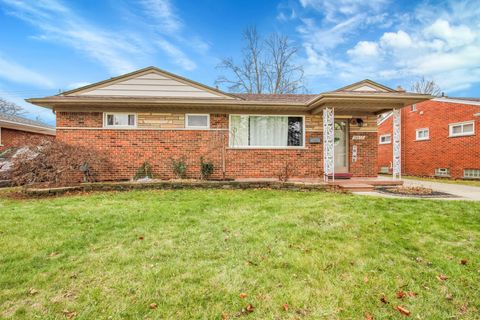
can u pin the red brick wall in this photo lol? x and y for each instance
(420, 158)
(366, 164)
(130, 148)
(17, 138)
(385, 151)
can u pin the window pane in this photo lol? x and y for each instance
(239, 131)
(295, 131)
(268, 131)
(131, 119)
(468, 128)
(197, 121)
(110, 119)
(456, 129)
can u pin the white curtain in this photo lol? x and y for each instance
(259, 131)
(268, 131)
(239, 131)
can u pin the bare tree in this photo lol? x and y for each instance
(427, 87)
(9, 107)
(267, 66)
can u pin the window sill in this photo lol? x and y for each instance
(384, 143)
(422, 140)
(462, 135)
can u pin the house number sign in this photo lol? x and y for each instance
(358, 138)
(354, 153)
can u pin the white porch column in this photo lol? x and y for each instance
(397, 154)
(328, 143)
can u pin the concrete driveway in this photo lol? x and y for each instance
(462, 192)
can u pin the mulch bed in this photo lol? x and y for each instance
(433, 194)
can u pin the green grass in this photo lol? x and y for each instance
(202, 248)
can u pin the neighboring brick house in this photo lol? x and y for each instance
(155, 116)
(439, 138)
(16, 131)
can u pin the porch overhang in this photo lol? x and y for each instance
(364, 104)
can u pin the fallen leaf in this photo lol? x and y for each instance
(53, 254)
(464, 308)
(224, 316)
(368, 316)
(411, 294)
(449, 296)
(365, 279)
(32, 291)
(69, 314)
(153, 306)
(250, 308)
(401, 294)
(403, 311)
(285, 307)
(442, 277)
(463, 261)
(418, 259)
(141, 238)
(243, 295)
(384, 299)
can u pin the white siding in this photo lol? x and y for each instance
(152, 85)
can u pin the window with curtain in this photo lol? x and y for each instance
(266, 131)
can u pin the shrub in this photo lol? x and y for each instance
(206, 169)
(145, 171)
(55, 163)
(179, 167)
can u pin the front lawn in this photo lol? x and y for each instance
(193, 254)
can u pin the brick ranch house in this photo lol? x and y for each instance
(439, 139)
(16, 131)
(156, 116)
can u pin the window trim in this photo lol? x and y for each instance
(413, 107)
(197, 127)
(451, 125)
(385, 135)
(303, 146)
(447, 175)
(422, 139)
(105, 125)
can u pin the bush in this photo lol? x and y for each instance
(179, 167)
(206, 169)
(145, 171)
(55, 163)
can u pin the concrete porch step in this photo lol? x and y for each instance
(355, 187)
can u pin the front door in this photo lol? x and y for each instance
(341, 146)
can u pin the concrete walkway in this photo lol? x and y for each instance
(462, 192)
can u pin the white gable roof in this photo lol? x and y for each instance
(149, 82)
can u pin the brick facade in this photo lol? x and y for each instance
(130, 148)
(421, 158)
(17, 138)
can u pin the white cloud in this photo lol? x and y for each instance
(335, 10)
(177, 55)
(364, 49)
(163, 13)
(60, 24)
(14, 72)
(119, 50)
(439, 42)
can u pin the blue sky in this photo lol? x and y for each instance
(52, 45)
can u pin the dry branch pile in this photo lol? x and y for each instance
(44, 162)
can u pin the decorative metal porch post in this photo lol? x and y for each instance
(328, 143)
(397, 155)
